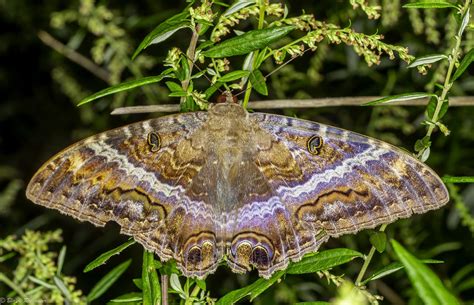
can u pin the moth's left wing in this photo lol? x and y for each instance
(138, 176)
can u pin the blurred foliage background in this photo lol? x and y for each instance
(95, 39)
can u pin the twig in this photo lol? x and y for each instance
(309, 103)
(74, 56)
(453, 59)
(191, 56)
(164, 289)
(367, 260)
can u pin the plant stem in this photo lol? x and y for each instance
(261, 20)
(190, 54)
(301, 103)
(367, 260)
(7, 281)
(193, 295)
(164, 289)
(453, 59)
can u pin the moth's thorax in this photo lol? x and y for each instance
(228, 140)
(228, 131)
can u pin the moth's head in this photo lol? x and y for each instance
(227, 97)
(226, 104)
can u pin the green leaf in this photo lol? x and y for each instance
(41, 282)
(422, 143)
(147, 285)
(211, 90)
(130, 297)
(108, 280)
(464, 22)
(465, 62)
(165, 30)
(138, 283)
(430, 108)
(323, 260)
(201, 284)
(463, 179)
(61, 257)
(178, 94)
(427, 284)
(399, 97)
(394, 267)
(234, 75)
(248, 42)
(430, 4)
(173, 86)
(153, 275)
(104, 257)
(253, 290)
(62, 287)
(379, 241)
(442, 110)
(122, 87)
(237, 6)
(258, 82)
(7, 256)
(428, 59)
(425, 155)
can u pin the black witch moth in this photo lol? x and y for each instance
(258, 190)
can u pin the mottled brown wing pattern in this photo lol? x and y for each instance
(260, 190)
(328, 182)
(137, 176)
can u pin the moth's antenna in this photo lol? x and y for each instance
(201, 70)
(276, 70)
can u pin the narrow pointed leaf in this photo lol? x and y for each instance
(427, 284)
(122, 87)
(430, 4)
(234, 75)
(7, 256)
(61, 257)
(164, 30)
(400, 97)
(258, 82)
(428, 59)
(463, 179)
(104, 257)
(392, 268)
(62, 287)
(379, 241)
(108, 280)
(248, 42)
(465, 63)
(464, 22)
(130, 297)
(153, 278)
(237, 6)
(147, 290)
(253, 290)
(323, 261)
(41, 282)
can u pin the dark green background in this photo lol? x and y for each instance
(37, 120)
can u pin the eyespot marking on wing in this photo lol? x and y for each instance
(314, 144)
(154, 141)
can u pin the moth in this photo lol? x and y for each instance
(256, 190)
